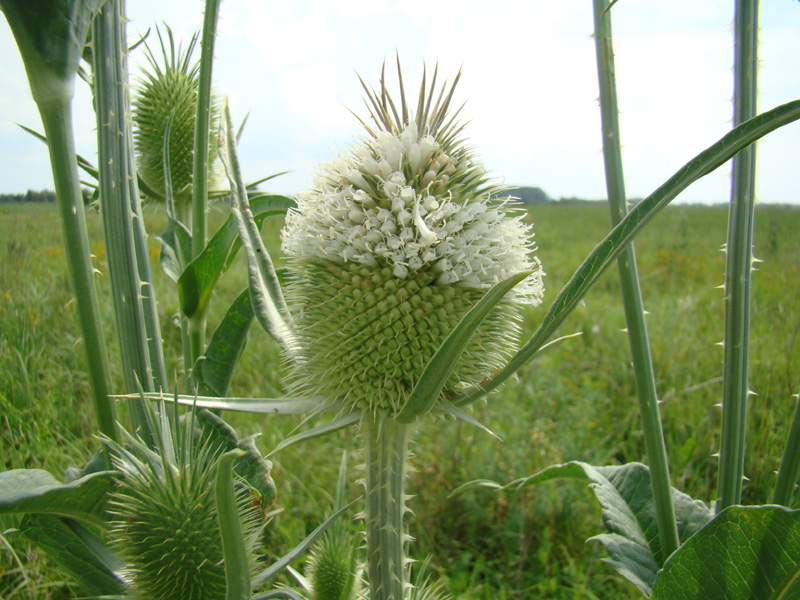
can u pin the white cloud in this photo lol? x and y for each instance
(529, 78)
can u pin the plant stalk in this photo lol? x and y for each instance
(202, 123)
(134, 302)
(386, 460)
(738, 267)
(56, 116)
(631, 291)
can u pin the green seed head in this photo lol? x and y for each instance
(396, 241)
(331, 568)
(165, 522)
(167, 90)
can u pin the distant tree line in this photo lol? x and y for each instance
(41, 196)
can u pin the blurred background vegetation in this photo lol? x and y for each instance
(578, 398)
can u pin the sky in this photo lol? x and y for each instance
(529, 82)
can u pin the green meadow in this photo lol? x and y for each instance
(575, 402)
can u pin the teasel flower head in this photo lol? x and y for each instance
(164, 516)
(397, 239)
(332, 569)
(168, 93)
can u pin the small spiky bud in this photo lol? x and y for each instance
(164, 520)
(394, 244)
(331, 568)
(163, 92)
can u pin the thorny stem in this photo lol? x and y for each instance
(631, 291)
(738, 269)
(386, 459)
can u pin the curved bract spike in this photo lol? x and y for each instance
(265, 290)
(440, 367)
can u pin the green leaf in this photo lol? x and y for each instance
(213, 370)
(265, 291)
(176, 248)
(76, 550)
(198, 278)
(37, 491)
(441, 365)
(745, 553)
(607, 251)
(628, 512)
(250, 465)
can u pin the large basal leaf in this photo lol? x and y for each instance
(198, 278)
(37, 491)
(250, 466)
(628, 512)
(213, 370)
(77, 551)
(745, 553)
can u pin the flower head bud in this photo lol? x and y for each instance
(396, 241)
(164, 517)
(163, 93)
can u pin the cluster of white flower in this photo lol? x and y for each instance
(395, 201)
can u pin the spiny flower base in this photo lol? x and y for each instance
(366, 335)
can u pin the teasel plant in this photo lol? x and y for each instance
(406, 267)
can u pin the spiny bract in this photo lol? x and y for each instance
(397, 240)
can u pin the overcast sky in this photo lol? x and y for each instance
(529, 81)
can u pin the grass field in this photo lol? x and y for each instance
(576, 400)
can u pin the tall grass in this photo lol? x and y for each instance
(576, 401)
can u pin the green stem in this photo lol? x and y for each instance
(56, 116)
(237, 565)
(631, 291)
(386, 459)
(790, 463)
(122, 215)
(739, 265)
(202, 123)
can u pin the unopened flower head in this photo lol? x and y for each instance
(396, 241)
(168, 95)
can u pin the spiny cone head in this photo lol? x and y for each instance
(165, 526)
(331, 567)
(396, 241)
(167, 90)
